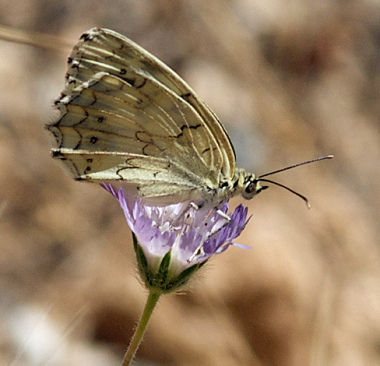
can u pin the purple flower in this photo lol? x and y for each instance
(173, 241)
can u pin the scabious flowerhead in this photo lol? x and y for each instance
(171, 242)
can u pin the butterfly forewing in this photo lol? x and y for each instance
(126, 116)
(106, 50)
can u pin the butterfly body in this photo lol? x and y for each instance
(125, 116)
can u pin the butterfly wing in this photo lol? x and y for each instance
(126, 116)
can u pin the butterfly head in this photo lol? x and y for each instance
(248, 185)
(251, 186)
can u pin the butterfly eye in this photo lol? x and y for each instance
(252, 187)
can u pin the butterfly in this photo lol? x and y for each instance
(126, 116)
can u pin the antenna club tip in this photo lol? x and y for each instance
(308, 205)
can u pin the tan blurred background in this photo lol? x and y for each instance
(291, 80)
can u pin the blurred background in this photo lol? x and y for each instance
(291, 81)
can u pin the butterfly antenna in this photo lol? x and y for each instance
(260, 179)
(289, 189)
(296, 165)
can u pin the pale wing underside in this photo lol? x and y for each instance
(127, 116)
(152, 178)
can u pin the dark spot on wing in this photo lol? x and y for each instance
(85, 37)
(184, 127)
(131, 82)
(190, 127)
(57, 154)
(186, 96)
(58, 101)
(94, 139)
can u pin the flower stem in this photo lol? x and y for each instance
(141, 327)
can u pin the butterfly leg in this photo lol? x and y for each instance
(218, 211)
(224, 215)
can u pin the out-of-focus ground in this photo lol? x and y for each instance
(291, 81)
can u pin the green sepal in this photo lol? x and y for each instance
(163, 271)
(160, 280)
(141, 258)
(184, 276)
